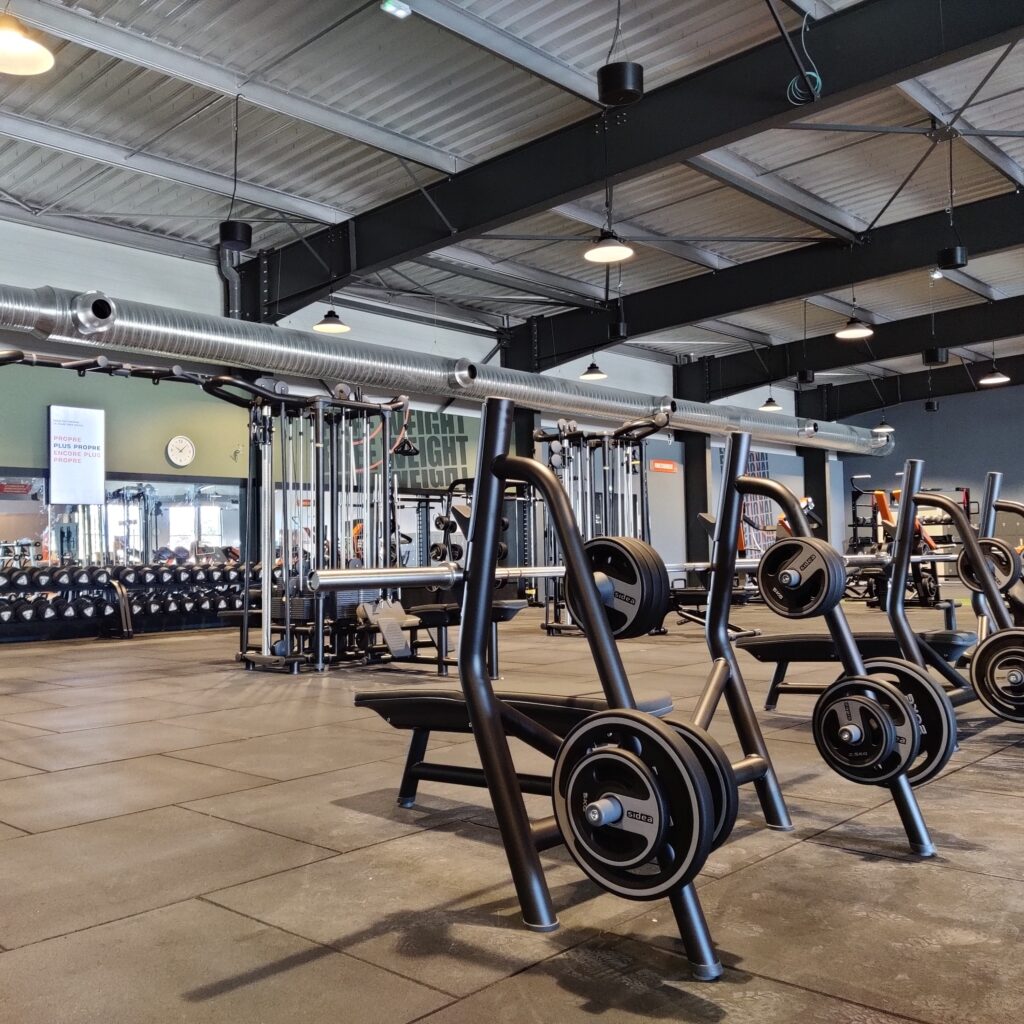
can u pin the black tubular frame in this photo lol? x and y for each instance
(725, 678)
(492, 720)
(849, 656)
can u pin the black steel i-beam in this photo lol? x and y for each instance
(863, 49)
(730, 375)
(987, 226)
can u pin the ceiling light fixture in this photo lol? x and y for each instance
(935, 274)
(20, 54)
(396, 9)
(593, 372)
(883, 427)
(994, 376)
(854, 329)
(769, 404)
(609, 248)
(331, 324)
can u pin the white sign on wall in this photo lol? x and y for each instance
(77, 456)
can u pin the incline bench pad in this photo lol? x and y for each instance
(446, 709)
(798, 647)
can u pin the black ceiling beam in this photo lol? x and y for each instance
(860, 50)
(986, 226)
(968, 325)
(845, 400)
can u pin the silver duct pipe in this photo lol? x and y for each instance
(93, 321)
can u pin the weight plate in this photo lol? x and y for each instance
(866, 730)
(717, 767)
(633, 804)
(800, 577)
(1002, 560)
(629, 587)
(657, 610)
(936, 717)
(997, 673)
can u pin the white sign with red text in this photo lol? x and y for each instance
(77, 456)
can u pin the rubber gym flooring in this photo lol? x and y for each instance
(184, 841)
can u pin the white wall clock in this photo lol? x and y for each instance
(181, 451)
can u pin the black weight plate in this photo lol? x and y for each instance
(716, 764)
(935, 714)
(631, 586)
(800, 577)
(1002, 560)
(654, 613)
(997, 673)
(890, 734)
(685, 833)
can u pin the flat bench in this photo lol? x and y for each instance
(949, 644)
(423, 711)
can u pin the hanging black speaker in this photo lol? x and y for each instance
(620, 84)
(935, 356)
(805, 376)
(952, 258)
(235, 235)
(931, 405)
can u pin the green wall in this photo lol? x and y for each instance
(141, 418)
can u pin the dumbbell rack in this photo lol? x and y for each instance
(125, 589)
(113, 616)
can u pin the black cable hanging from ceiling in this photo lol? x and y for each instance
(235, 235)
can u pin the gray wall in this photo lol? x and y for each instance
(969, 436)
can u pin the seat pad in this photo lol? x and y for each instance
(446, 709)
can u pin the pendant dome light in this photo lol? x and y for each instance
(883, 427)
(994, 375)
(19, 53)
(769, 404)
(854, 329)
(593, 371)
(331, 323)
(609, 248)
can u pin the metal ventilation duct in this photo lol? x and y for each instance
(93, 321)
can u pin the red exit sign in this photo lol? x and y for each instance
(664, 466)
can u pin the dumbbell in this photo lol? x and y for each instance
(127, 574)
(99, 575)
(79, 576)
(138, 605)
(5, 578)
(165, 575)
(44, 609)
(169, 604)
(444, 524)
(104, 607)
(154, 604)
(256, 572)
(237, 602)
(186, 603)
(147, 575)
(23, 611)
(42, 577)
(63, 608)
(204, 601)
(199, 573)
(218, 600)
(85, 607)
(20, 579)
(233, 572)
(60, 577)
(215, 572)
(6, 612)
(182, 574)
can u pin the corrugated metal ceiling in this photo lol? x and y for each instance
(428, 83)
